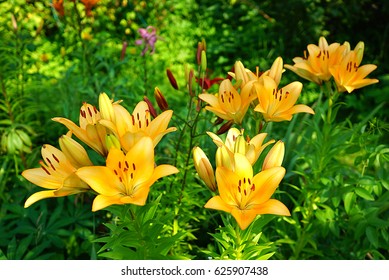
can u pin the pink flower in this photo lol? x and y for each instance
(149, 38)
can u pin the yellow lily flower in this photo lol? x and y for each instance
(229, 104)
(57, 174)
(349, 75)
(90, 131)
(279, 104)
(130, 128)
(245, 196)
(316, 67)
(235, 143)
(126, 178)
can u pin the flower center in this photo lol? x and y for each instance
(278, 94)
(141, 121)
(324, 54)
(126, 173)
(227, 97)
(245, 188)
(53, 166)
(351, 66)
(90, 113)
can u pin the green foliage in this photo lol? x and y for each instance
(336, 185)
(234, 244)
(139, 233)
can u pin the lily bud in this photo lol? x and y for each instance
(224, 158)
(204, 168)
(123, 52)
(161, 101)
(112, 142)
(201, 46)
(152, 110)
(106, 108)
(225, 127)
(14, 23)
(275, 156)
(241, 145)
(171, 78)
(191, 82)
(74, 152)
(203, 60)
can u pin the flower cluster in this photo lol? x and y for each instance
(240, 192)
(338, 61)
(232, 101)
(125, 140)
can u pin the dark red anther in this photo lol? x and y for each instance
(55, 158)
(44, 168)
(90, 112)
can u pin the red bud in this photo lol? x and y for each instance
(172, 80)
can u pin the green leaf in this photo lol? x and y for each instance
(349, 200)
(2, 256)
(372, 236)
(361, 192)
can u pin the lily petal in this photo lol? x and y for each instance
(38, 196)
(272, 206)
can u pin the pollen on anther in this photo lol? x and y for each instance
(55, 158)
(253, 187)
(82, 113)
(44, 168)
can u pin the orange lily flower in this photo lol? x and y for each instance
(129, 128)
(316, 67)
(279, 104)
(245, 196)
(229, 104)
(57, 173)
(349, 75)
(126, 178)
(90, 131)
